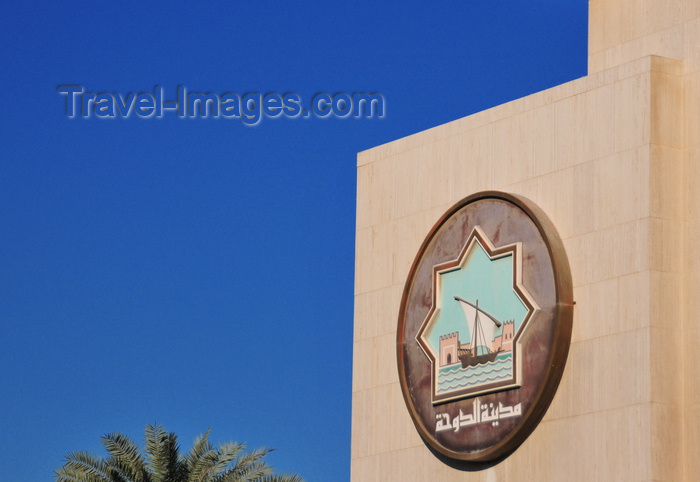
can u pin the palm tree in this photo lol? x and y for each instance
(163, 462)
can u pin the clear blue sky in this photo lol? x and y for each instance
(199, 272)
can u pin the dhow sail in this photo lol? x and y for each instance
(487, 325)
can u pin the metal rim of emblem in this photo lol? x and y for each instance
(543, 341)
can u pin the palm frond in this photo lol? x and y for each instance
(231, 452)
(84, 467)
(201, 445)
(163, 453)
(245, 473)
(121, 471)
(197, 453)
(249, 466)
(77, 476)
(282, 478)
(201, 469)
(207, 462)
(125, 456)
(163, 462)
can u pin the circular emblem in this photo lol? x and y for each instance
(484, 326)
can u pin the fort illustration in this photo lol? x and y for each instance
(451, 347)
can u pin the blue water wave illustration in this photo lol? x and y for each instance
(454, 377)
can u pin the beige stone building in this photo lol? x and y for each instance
(613, 159)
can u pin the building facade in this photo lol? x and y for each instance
(613, 159)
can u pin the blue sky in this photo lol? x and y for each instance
(199, 272)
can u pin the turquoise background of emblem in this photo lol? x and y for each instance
(490, 281)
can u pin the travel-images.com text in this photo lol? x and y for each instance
(249, 108)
